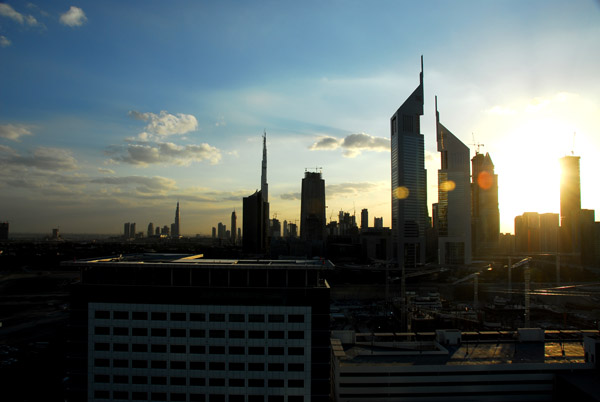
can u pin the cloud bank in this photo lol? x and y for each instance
(13, 132)
(9, 12)
(165, 124)
(147, 153)
(43, 158)
(75, 17)
(4, 41)
(352, 144)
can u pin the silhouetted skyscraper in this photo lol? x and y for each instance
(150, 229)
(254, 236)
(132, 230)
(233, 226)
(570, 204)
(3, 230)
(364, 219)
(312, 207)
(126, 230)
(409, 180)
(176, 228)
(485, 214)
(454, 197)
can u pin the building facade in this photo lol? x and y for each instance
(312, 207)
(409, 180)
(570, 204)
(485, 214)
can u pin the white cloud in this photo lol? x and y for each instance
(13, 132)
(165, 124)
(106, 171)
(75, 17)
(4, 41)
(353, 144)
(43, 158)
(9, 12)
(290, 196)
(164, 152)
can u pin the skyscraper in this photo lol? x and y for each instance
(364, 219)
(233, 226)
(126, 230)
(3, 230)
(454, 197)
(312, 207)
(264, 190)
(176, 231)
(150, 229)
(409, 180)
(485, 215)
(570, 204)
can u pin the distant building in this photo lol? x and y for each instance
(527, 233)
(3, 230)
(364, 219)
(164, 231)
(126, 230)
(221, 229)
(176, 227)
(132, 230)
(150, 229)
(275, 228)
(214, 232)
(157, 231)
(378, 223)
(293, 230)
(485, 214)
(233, 227)
(587, 221)
(285, 228)
(409, 180)
(549, 232)
(570, 204)
(312, 207)
(454, 198)
(55, 233)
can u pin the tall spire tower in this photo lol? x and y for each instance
(264, 187)
(176, 227)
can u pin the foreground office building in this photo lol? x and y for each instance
(409, 181)
(484, 206)
(177, 328)
(312, 207)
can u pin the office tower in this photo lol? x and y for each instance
(570, 204)
(3, 230)
(587, 221)
(177, 328)
(132, 230)
(285, 228)
(126, 230)
(264, 190)
(157, 231)
(527, 232)
(378, 223)
(150, 229)
(275, 228)
(485, 214)
(214, 232)
(165, 230)
(312, 207)
(549, 232)
(221, 230)
(176, 227)
(233, 226)
(254, 239)
(454, 197)
(364, 219)
(409, 181)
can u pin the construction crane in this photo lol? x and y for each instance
(527, 279)
(477, 145)
(475, 277)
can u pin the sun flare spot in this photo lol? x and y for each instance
(448, 185)
(485, 180)
(401, 193)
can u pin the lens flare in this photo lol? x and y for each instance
(401, 193)
(484, 180)
(448, 185)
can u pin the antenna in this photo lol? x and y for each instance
(573, 148)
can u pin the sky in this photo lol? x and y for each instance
(111, 111)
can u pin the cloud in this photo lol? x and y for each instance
(9, 12)
(43, 158)
(106, 171)
(144, 184)
(4, 41)
(75, 17)
(343, 189)
(290, 196)
(164, 152)
(13, 132)
(352, 144)
(165, 124)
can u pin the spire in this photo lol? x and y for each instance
(264, 187)
(421, 75)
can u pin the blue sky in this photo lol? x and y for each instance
(112, 111)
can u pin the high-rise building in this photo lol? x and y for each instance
(312, 207)
(454, 198)
(157, 231)
(221, 230)
(150, 229)
(285, 228)
(264, 190)
(409, 181)
(549, 232)
(176, 227)
(132, 230)
(233, 227)
(182, 329)
(364, 219)
(570, 205)
(485, 214)
(275, 228)
(214, 232)
(378, 223)
(126, 230)
(254, 239)
(3, 230)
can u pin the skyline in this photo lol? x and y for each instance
(120, 110)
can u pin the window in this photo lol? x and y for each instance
(255, 350)
(177, 365)
(138, 379)
(178, 316)
(102, 378)
(256, 334)
(216, 350)
(276, 383)
(216, 382)
(276, 318)
(121, 395)
(178, 333)
(237, 382)
(121, 331)
(197, 317)
(178, 397)
(158, 332)
(237, 334)
(120, 347)
(237, 318)
(197, 333)
(276, 351)
(139, 331)
(217, 366)
(197, 365)
(139, 396)
(139, 364)
(216, 317)
(295, 351)
(120, 363)
(158, 364)
(199, 398)
(197, 349)
(276, 367)
(101, 363)
(102, 347)
(121, 315)
(177, 348)
(159, 316)
(256, 318)
(139, 347)
(178, 381)
(407, 123)
(101, 314)
(237, 350)
(102, 331)
(295, 334)
(216, 333)
(296, 318)
(256, 383)
(139, 315)
(120, 379)
(101, 394)
(237, 366)
(159, 348)
(159, 396)
(197, 381)
(296, 383)
(296, 367)
(256, 366)
(276, 334)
